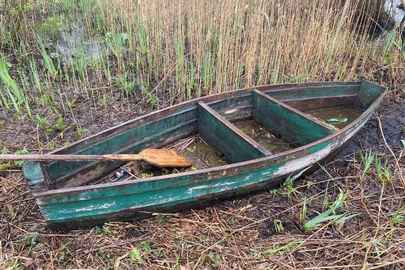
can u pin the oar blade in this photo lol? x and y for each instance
(164, 158)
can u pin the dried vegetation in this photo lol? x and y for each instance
(70, 68)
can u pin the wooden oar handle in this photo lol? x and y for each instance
(39, 157)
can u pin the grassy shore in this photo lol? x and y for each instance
(72, 68)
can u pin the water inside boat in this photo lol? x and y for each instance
(338, 112)
(262, 135)
(338, 116)
(201, 154)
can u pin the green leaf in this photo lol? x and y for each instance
(398, 217)
(389, 41)
(319, 219)
(403, 143)
(60, 124)
(135, 255)
(328, 215)
(282, 249)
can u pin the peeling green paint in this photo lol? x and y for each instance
(148, 132)
(147, 194)
(318, 147)
(286, 123)
(33, 173)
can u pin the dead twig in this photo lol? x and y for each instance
(392, 152)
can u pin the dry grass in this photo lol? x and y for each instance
(239, 234)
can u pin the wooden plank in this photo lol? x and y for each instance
(288, 123)
(369, 92)
(228, 139)
(312, 103)
(313, 91)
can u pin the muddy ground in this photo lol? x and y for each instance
(260, 231)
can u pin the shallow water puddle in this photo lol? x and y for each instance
(338, 116)
(262, 135)
(202, 155)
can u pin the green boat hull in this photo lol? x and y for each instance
(66, 194)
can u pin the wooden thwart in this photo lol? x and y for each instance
(287, 122)
(227, 138)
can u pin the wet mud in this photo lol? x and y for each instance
(392, 116)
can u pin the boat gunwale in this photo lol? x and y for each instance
(275, 157)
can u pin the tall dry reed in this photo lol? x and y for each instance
(198, 47)
(222, 45)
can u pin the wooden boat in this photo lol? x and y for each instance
(301, 115)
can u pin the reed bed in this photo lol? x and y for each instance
(164, 52)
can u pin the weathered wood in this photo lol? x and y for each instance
(306, 104)
(97, 203)
(131, 141)
(288, 123)
(101, 202)
(163, 158)
(228, 139)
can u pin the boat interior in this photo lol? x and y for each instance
(214, 131)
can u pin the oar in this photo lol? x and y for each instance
(163, 158)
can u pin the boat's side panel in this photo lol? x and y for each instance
(149, 134)
(368, 93)
(314, 91)
(141, 195)
(105, 203)
(295, 127)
